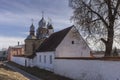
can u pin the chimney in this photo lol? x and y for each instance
(18, 43)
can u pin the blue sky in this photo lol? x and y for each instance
(16, 15)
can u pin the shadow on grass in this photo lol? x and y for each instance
(3, 75)
(40, 73)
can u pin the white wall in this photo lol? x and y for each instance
(88, 69)
(19, 60)
(45, 65)
(30, 62)
(78, 49)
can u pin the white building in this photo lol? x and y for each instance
(67, 43)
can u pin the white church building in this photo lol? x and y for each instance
(66, 43)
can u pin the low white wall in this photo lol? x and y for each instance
(45, 65)
(19, 60)
(88, 69)
(31, 62)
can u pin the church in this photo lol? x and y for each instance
(33, 41)
(42, 48)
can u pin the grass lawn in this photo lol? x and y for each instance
(40, 73)
(8, 74)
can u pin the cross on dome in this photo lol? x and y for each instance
(32, 20)
(42, 14)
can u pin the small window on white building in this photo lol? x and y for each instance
(50, 59)
(44, 58)
(40, 58)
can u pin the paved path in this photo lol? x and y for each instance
(29, 76)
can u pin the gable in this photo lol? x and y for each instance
(73, 45)
(53, 41)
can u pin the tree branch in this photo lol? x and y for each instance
(116, 8)
(95, 20)
(108, 3)
(96, 14)
(103, 40)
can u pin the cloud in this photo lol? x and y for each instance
(5, 42)
(16, 15)
(20, 12)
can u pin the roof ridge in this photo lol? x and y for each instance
(64, 29)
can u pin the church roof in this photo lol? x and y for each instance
(31, 37)
(42, 22)
(51, 43)
(31, 34)
(49, 26)
(32, 27)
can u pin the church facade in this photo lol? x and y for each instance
(33, 41)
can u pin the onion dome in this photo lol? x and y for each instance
(42, 23)
(49, 26)
(31, 34)
(32, 28)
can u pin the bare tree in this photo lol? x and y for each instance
(97, 18)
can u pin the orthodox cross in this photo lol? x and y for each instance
(32, 20)
(42, 13)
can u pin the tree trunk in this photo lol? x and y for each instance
(108, 48)
(110, 38)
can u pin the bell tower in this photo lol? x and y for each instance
(31, 32)
(50, 27)
(42, 31)
(32, 29)
(32, 42)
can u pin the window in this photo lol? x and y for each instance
(44, 58)
(40, 58)
(50, 59)
(72, 42)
